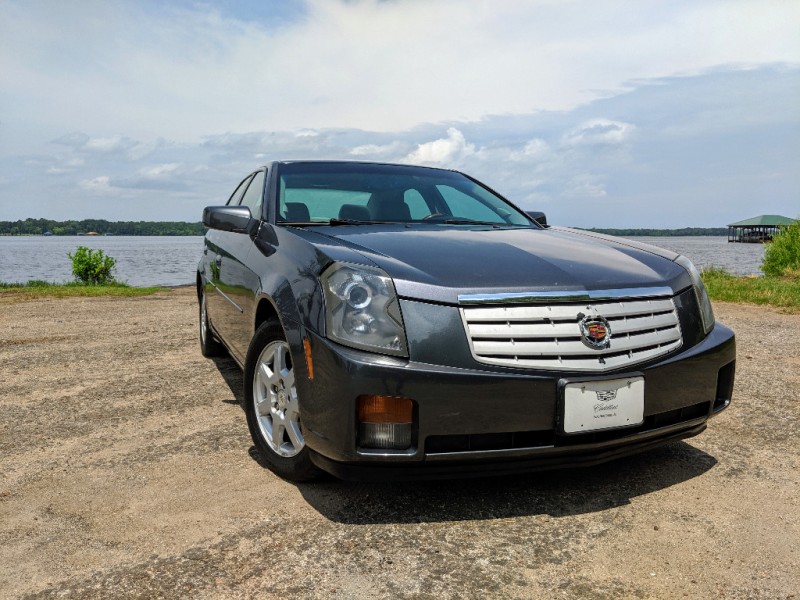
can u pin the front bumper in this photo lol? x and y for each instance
(475, 421)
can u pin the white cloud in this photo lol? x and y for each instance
(599, 132)
(535, 149)
(451, 149)
(67, 165)
(159, 171)
(117, 143)
(75, 139)
(585, 186)
(394, 149)
(97, 184)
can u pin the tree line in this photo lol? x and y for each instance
(684, 231)
(100, 226)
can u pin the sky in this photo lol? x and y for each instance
(601, 113)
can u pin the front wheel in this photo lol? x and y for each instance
(272, 405)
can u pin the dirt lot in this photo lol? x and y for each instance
(126, 471)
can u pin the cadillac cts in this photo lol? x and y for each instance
(399, 321)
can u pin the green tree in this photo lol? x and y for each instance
(782, 256)
(92, 267)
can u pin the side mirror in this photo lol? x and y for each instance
(227, 218)
(539, 217)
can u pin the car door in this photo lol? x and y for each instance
(234, 285)
(213, 251)
(239, 277)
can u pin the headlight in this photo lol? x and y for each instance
(363, 310)
(706, 312)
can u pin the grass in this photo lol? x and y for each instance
(780, 292)
(12, 292)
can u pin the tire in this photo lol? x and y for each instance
(272, 405)
(209, 346)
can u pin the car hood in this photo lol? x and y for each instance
(439, 263)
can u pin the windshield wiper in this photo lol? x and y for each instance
(353, 222)
(466, 221)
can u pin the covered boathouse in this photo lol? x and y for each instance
(758, 229)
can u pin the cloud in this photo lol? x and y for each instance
(75, 140)
(599, 132)
(451, 149)
(110, 144)
(536, 149)
(394, 149)
(97, 184)
(66, 165)
(585, 186)
(118, 144)
(159, 171)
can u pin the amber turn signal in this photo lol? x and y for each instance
(309, 362)
(385, 409)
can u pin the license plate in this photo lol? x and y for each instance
(595, 405)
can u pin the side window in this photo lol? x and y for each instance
(237, 193)
(468, 207)
(254, 195)
(416, 204)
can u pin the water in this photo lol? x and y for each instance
(712, 251)
(143, 261)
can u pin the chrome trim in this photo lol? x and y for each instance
(228, 298)
(564, 296)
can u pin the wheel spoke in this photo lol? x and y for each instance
(293, 409)
(279, 359)
(295, 436)
(263, 406)
(288, 378)
(268, 378)
(278, 428)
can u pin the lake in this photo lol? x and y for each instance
(144, 261)
(141, 260)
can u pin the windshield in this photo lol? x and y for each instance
(344, 193)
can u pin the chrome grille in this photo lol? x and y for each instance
(547, 336)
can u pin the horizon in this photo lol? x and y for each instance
(597, 115)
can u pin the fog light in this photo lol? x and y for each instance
(385, 422)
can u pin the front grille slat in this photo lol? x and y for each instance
(564, 312)
(549, 337)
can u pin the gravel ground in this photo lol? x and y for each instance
(126, 471)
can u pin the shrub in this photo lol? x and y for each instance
(92, 267)
(782, 256)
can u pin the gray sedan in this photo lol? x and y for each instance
(396, 321)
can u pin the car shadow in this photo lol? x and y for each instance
(233, 377)
(554, 493)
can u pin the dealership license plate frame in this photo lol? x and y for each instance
(620, 405)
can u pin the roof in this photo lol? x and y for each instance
(764, 220)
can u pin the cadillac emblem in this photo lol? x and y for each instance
(606, 395)
(595, 332)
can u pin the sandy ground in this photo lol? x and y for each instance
(126, 471)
